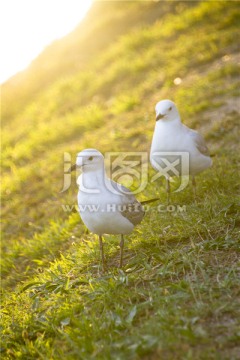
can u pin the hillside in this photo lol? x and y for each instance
(71, 54)
(177, 296)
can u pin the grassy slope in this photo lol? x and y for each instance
(178, 296)
(72, 53)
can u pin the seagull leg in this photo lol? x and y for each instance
(168, 189)
(194, 187)
(121, 250)
(101, 251)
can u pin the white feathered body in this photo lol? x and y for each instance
(173, 136)
(100, 211)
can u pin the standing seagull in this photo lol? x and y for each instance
(105, 206)
(171, 136)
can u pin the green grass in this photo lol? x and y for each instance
(177, 296)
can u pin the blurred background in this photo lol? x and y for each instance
(78, 75)
(27, 27)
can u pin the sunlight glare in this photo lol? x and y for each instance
(28, 26)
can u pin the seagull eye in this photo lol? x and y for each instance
(90, 158)
(170, 108)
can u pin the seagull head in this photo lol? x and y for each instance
(166, 110)
(88, 160)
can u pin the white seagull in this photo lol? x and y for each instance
(171, 136)
(105, 206)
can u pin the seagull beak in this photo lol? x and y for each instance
(72, 168)
(79, 164)
(159, 117)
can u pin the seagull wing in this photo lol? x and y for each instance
(199, 142)
(132, 209)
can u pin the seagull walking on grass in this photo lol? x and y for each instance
(171, 136)
(105, 206)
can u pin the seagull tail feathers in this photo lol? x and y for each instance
(149, 201)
